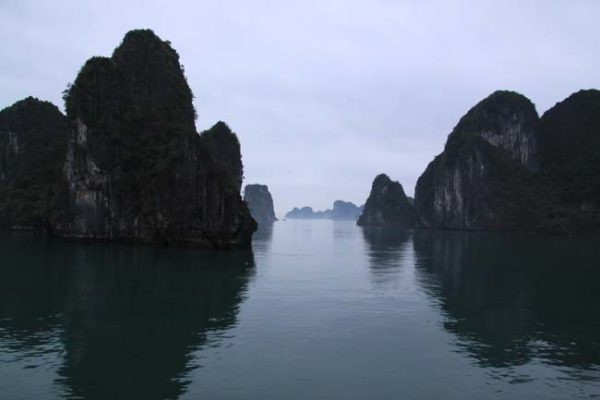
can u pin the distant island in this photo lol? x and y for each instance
(342, 210)
(260, 203)
(387, 205)
(126, 162)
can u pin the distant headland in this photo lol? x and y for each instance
(342, 210)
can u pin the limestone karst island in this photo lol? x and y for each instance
(331, 200)
(126, 162)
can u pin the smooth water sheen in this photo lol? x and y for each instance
(318, 310)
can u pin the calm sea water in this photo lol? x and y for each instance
(318, 310)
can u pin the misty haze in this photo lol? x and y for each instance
(290, 200)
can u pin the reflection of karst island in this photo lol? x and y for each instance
(129, 317)
(499, 295)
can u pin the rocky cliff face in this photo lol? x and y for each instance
(387, 205)
(260, 203)
(484, 177)
(33, 136)
(135, 167)
(570, 163)
(505, 120)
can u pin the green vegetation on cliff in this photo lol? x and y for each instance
(223, 147)
(482, 178)
(126, 163)
(387, 205)
(136, 169)
(137, 106)
(503, 168)
(33, 136)
(570, 165)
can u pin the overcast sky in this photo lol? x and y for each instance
(324, 95)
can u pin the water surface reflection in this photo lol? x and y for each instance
(389, 252)
(261, 239)
(121, 320)
(333, 311)
(516, 299)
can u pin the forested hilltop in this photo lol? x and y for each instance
(131, 165)
(126, 163)
(504, 168)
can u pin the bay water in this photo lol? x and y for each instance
(316, 310)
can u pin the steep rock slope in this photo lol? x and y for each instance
(483, 180)
(135, 168)
(33, 137)
(570, 162)
(387, 205)
(260, 202)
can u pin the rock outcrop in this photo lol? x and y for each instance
(260, 203)
(136, 169)
(484, 178)
(33, 137)
(503, 168)
(570, 164)
(387, 205)
(126, 163)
